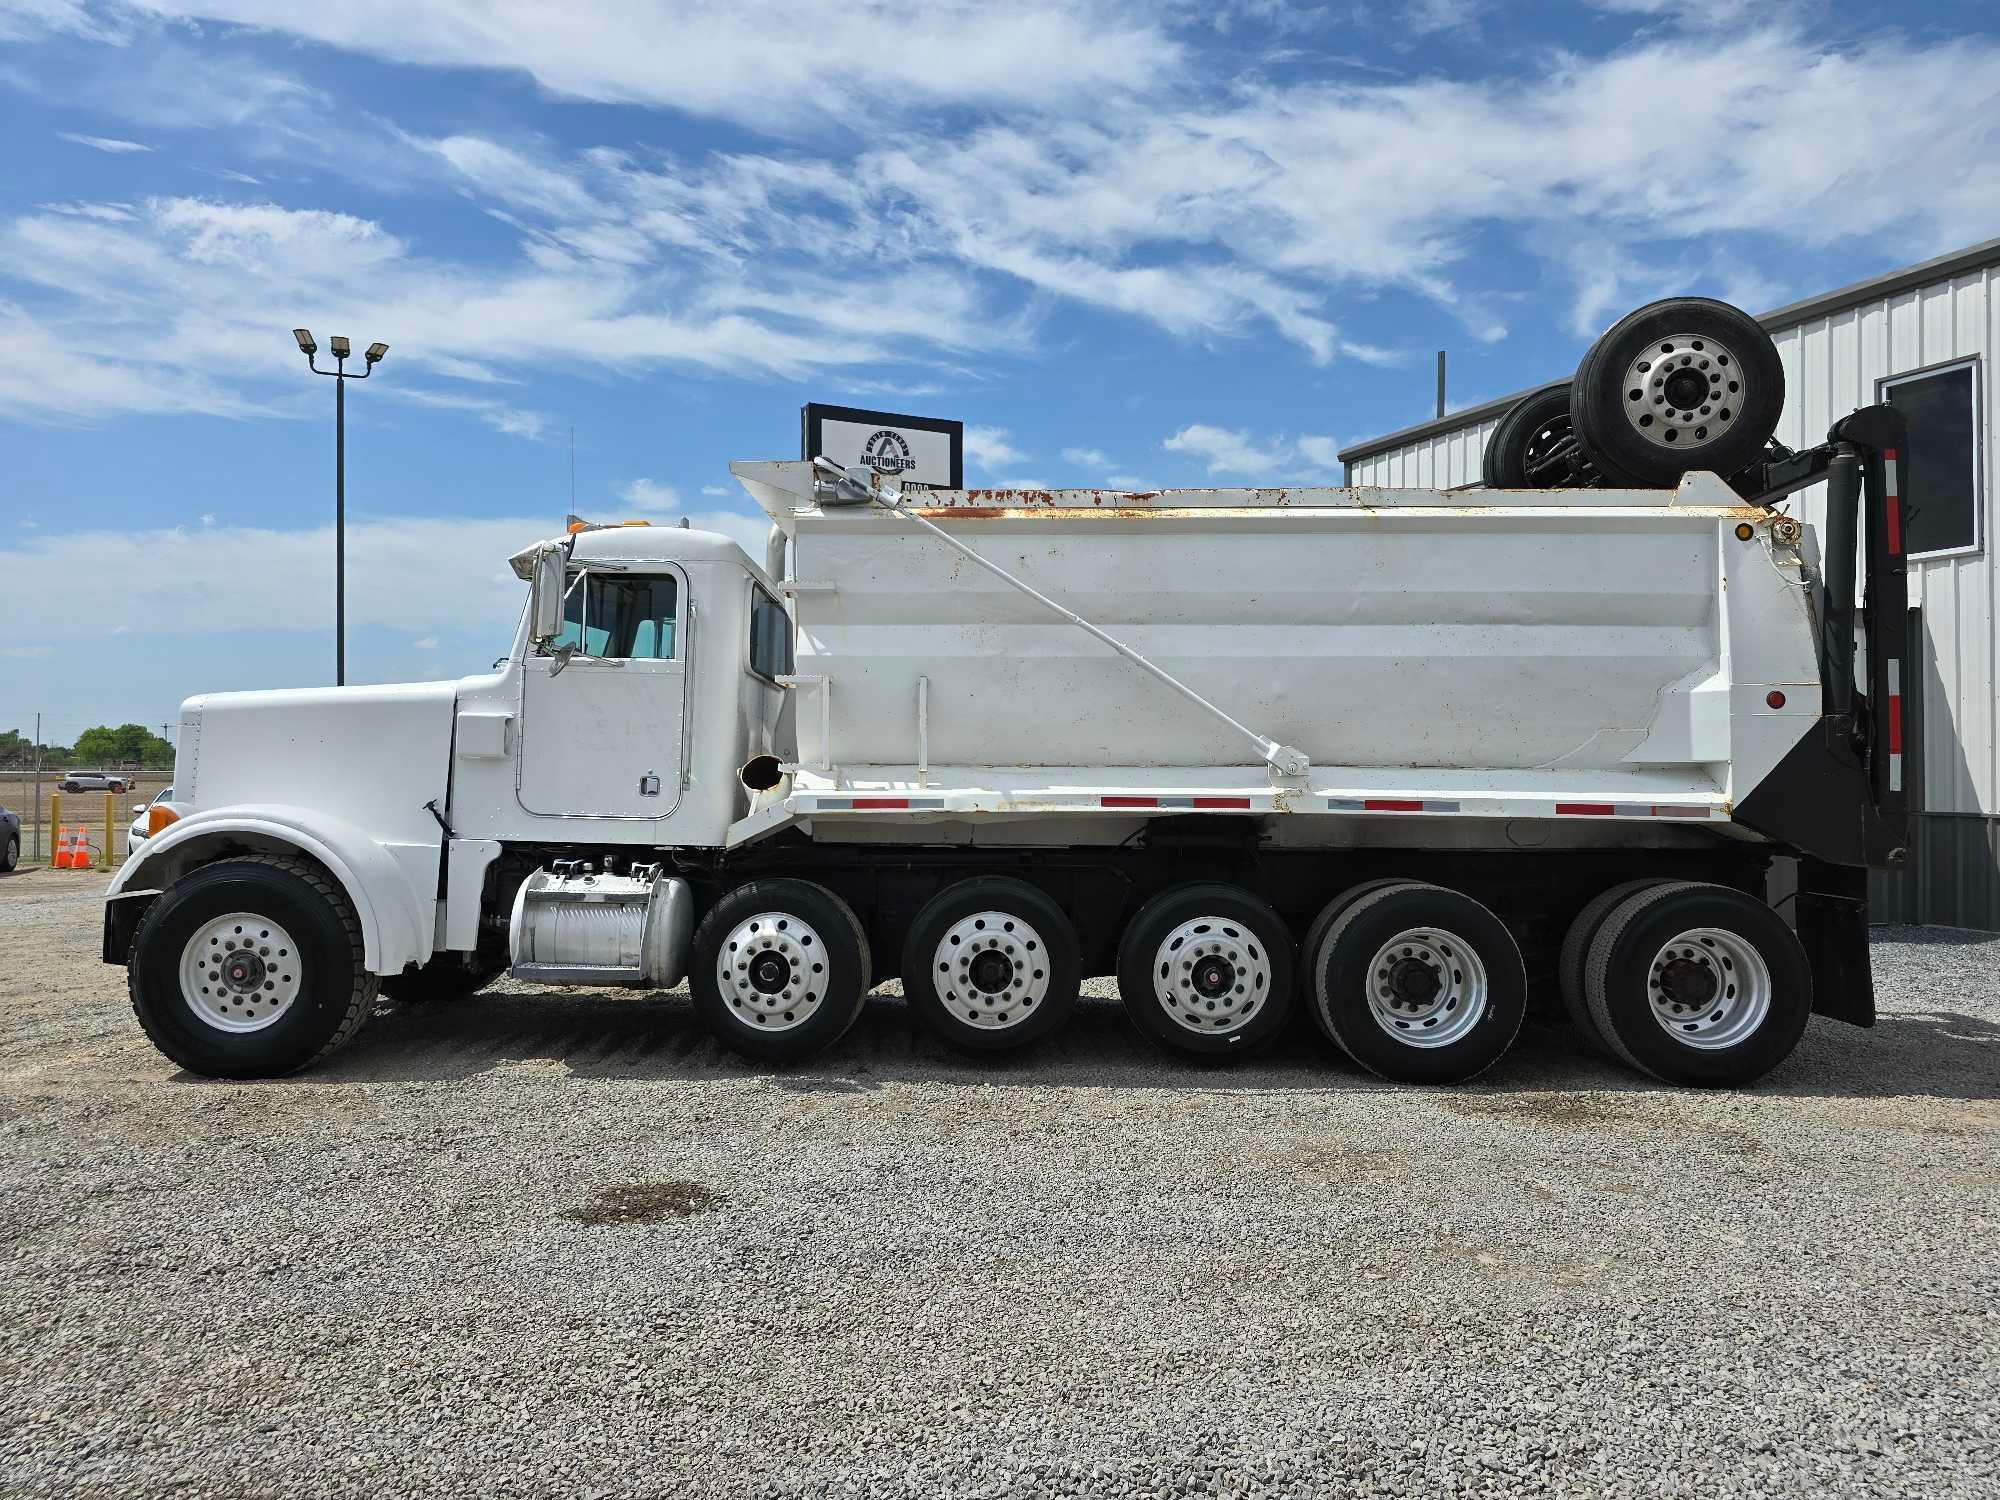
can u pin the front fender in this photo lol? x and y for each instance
(398, 923)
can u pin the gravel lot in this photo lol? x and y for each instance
(530, 1244)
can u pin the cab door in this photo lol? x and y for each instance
(602, 720)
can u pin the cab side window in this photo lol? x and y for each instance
(613, 614)
(770, 636)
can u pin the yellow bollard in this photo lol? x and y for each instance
(110, 857)
(55, 824)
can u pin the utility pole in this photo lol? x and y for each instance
(38, 786)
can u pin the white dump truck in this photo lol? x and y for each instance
(1408, 760)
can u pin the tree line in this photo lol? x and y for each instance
(126, 747)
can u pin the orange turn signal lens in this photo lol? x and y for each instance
(158, 816)
(1744, 531)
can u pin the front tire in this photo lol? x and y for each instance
(991, 964)
(250, 968)
(1699, 985)
(1207, 970)
(1682, 384)
(10, 855)
(1421, 984)
(780, 970)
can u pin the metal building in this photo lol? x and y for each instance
(1923, 337)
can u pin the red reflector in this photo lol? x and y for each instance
(1222, 802)
(1895, 726)
(1391, 804)
(884, 802)
(1775, 698)
(1889, 454)
(1131, 801)
(1895, 519)
(1585, 809)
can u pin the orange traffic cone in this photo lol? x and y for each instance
(65, 850)
(80, 860)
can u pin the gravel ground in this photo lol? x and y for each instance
(530, 1244)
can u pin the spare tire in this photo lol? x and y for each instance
(1534, 447)
(1682, 384)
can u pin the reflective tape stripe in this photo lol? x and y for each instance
(1894, 497)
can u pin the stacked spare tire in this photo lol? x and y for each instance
(1682, 384)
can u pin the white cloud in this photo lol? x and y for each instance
(1128, 482)
(760, 64)
(1225, 450)
(1320, 452)
(716, 489)
(110, 144)
(646, 495)
(512, 421)
(1089, 458)
(426, 643)
(991, 447)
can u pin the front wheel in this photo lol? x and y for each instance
(1698, 985)
(10, 856)
(250, 968)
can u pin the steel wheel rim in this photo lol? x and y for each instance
(991, 970)
(1212, 975)
(240, 972)
(1427, 1012)
(1658, 397)
(773, 971)
(1742, 988)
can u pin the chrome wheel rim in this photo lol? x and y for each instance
(240, 972)
(1709, 988)
(1212, 975)
(991, 970)
(1684, 390)
(1427, 987)
(772, 969)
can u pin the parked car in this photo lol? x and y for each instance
(10, 841)
(136, 834)
(95, 781)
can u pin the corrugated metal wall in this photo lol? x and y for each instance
(1439, 463)
(1832, 365)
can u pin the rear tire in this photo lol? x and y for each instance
(1207, 970)
(1421, 984)
(10, 855)
(1698, 985)
(780, 970)
(250, 968)
(991, 964)
(1576, 949)
(1528, 448)
(1681, 384)
(1311, 984)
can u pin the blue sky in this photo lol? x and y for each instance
(1146, 245)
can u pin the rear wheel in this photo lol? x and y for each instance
(991, 964)
(1420, 984)
(1311, 983)
(1576, 948)
(1698, 985)
(780, 969)
(1682, 384)
(249, 968)
(1534, 445)
(1207, 969)
(10, 854)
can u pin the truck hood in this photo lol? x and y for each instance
(370, 756)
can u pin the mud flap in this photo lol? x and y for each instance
(1831, 916)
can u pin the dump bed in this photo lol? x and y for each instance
(1643, 652)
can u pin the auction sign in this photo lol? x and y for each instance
(918, 450)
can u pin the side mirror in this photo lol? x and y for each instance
(138, 808)
(546, 602)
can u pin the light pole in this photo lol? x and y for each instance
(370, 358)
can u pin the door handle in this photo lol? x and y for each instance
(649, 785)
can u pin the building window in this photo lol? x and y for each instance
(1940, 474)
(770, 636)
(609, 615)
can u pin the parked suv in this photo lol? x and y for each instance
(10, 840)
(95, 781)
